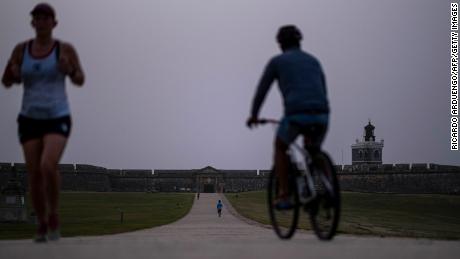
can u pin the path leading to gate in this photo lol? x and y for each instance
(202, 234)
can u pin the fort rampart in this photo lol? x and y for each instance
(387, 178)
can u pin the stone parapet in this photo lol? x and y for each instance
(399, 178)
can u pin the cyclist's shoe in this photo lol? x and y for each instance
(40, 236)
(54, 233)
(284, 204)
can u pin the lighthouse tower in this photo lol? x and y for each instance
(367, 151)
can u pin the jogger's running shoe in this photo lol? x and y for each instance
(54, 235)
(53, 221)
(40, 236)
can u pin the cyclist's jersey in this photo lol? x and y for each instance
(219, 206)
(44, 94)
(301, 82)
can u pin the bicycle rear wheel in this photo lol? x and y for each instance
(284, 222)
(325, 209)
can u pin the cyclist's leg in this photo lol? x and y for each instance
(281, 167)
(285, 135)
(313, 137)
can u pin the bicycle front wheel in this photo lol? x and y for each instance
(325, 209)
(284, 222)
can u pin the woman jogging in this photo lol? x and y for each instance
(44, 123)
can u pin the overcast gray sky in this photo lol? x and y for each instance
(169, 83)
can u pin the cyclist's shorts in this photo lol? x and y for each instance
(314, 126)
(29, 128)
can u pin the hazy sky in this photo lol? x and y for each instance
(169, 83)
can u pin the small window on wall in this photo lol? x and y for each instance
(376, 154)
(360, 154)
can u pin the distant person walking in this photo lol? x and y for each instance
(219, 208)
(44, 123)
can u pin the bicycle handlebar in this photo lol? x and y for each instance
(266, 120)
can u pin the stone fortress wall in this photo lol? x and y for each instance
(387, 178)
(400, 178)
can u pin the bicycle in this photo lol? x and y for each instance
(312, 185)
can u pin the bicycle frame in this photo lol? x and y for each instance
(305, 172)
(313, 186)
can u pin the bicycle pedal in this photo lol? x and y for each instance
(311, 207)
(304, 199)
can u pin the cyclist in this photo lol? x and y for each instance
(303, 88)
(219, 207)
(44, 121)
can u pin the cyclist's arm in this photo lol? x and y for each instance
(265, 82)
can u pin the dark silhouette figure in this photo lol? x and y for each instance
(306, 109)
(44, 122)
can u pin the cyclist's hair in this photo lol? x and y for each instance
(289, 36)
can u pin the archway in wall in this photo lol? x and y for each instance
(209, 188)
(209, 180)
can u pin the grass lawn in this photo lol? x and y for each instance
(85, 214)
(404, 215)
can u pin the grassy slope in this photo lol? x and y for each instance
(84, 214)
(429, 216)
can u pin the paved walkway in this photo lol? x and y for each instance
(201, 234)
